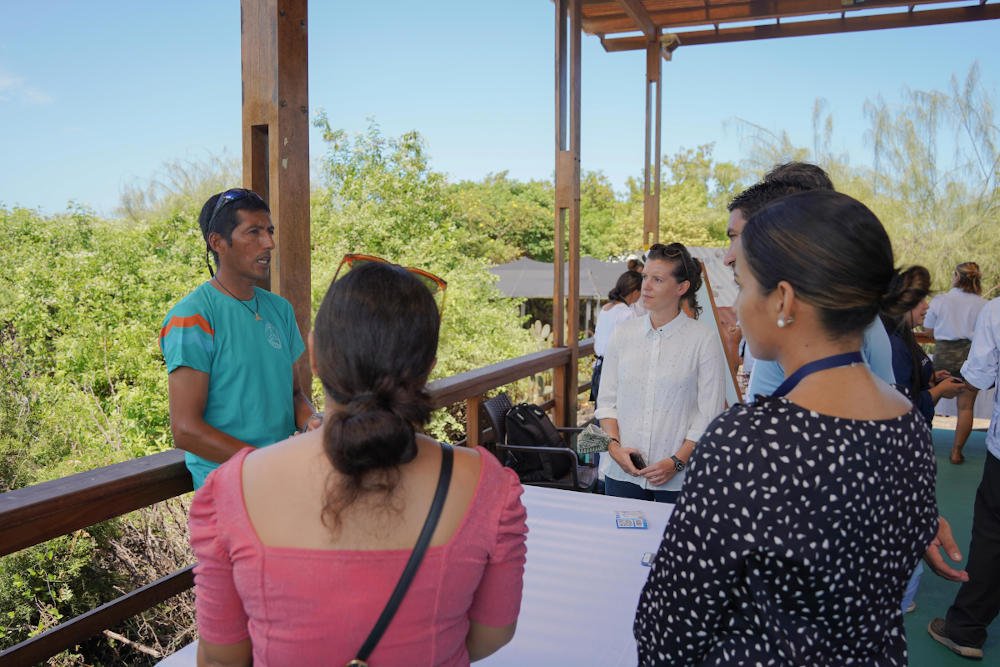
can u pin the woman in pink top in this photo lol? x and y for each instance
(300, 544)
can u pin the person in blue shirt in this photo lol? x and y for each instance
(229, 345)
(784, 180)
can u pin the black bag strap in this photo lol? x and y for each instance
(423, 541)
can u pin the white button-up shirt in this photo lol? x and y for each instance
(982, 369)
(663, 386)
(953, 314)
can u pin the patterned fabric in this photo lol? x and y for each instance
(792, 542)
(949, 355)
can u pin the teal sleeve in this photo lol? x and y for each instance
(187, 340)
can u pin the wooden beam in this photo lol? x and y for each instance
(824, 27)
(639, 16)
(703, 14)
(38, 513)
(65, 635)
(651, 173)
(276, 143)
(566, 298)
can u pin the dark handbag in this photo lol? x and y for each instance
(423, 541)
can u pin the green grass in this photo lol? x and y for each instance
(956, 490)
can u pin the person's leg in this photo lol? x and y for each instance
(620, 489)
(966, 401)
(666, 496)
(978, 600)
(911, 590)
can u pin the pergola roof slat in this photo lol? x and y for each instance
(610, 18)
(902, 19)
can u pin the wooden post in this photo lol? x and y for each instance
(566, 302)
(651, 173)
(473, 427)
(276, 144)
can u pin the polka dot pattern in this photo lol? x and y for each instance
(792, 542)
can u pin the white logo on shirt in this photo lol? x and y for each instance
(271, 333)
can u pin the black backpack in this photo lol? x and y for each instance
(527, 424)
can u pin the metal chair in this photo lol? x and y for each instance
(581, 476)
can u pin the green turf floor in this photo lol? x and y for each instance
(956, 490)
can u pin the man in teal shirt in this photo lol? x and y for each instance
(229, 345)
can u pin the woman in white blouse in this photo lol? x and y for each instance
(662, 381)
(616, 310)
(951, 320)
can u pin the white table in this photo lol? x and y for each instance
(581, 582)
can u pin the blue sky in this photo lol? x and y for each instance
(99, 94)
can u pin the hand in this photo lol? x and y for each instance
(951, 387)
(944, 541)
(659, 472)
(941, 376)
(314, 422)
(620, 455)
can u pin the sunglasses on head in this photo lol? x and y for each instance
(436, 284)
(672, 251)
(228, 197)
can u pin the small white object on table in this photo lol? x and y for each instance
(581, 582)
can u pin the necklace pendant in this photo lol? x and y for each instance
(257, 316)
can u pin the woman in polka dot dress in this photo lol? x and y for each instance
(803, 514)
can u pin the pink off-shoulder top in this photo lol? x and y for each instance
(316, 607)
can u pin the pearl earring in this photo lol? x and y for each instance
(783, 322)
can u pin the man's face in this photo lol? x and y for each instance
(737, 221)
(248, 256)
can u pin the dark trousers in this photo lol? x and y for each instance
(978, 600)
(616, 487)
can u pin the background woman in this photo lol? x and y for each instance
(914, 372)
(662, 382)
(804, 514)
(301, 544)
(951, 319)
(616, 310)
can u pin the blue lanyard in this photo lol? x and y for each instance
(845, 359)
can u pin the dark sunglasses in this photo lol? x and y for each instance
(436, 284)
(228, 197)
(673, 251)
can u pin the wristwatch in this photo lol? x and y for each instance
(678, 464)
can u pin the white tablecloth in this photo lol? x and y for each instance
(581, 582)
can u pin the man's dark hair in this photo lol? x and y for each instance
(785, 179)
(802, 175)
(759, 195)
(226, 220)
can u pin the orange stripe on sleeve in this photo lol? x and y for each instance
(189, 321)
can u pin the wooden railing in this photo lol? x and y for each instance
(44, 511)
